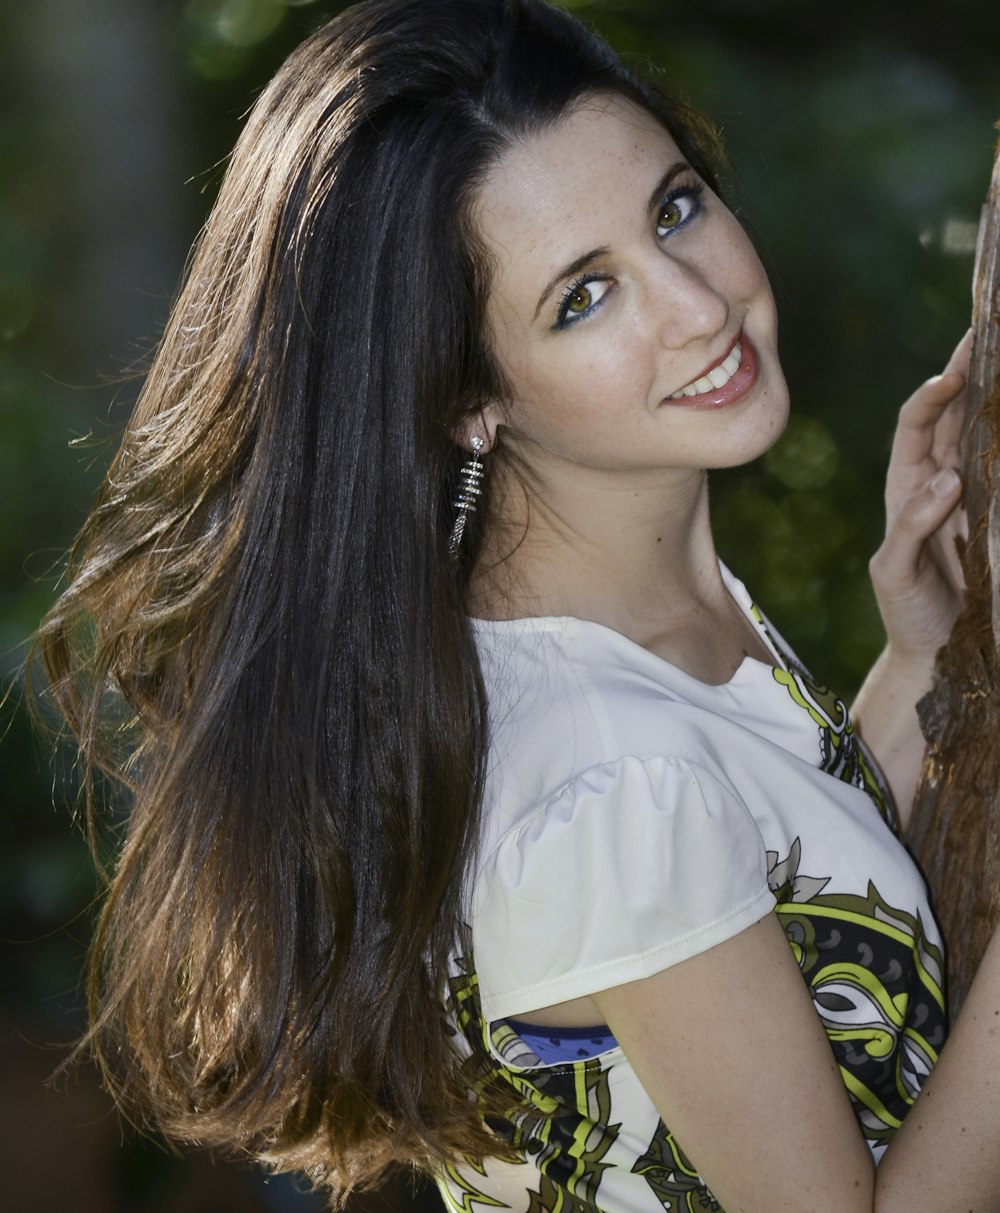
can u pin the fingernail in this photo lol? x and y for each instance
(944, 483)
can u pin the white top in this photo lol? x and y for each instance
(629, 805)
(634, 817)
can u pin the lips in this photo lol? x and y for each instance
(723, 383)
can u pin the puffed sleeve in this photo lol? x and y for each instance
(631, 867)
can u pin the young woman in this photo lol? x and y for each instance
(541, 762)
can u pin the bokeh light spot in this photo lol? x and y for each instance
(222, 32)
(805, 456)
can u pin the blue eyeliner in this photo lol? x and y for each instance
(692, 192)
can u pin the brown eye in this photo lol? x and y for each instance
(678, 209)
(579, 299)
(670, 216)
(582, 298)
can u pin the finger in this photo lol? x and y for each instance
(953, 420)
(948, 435)
(949, 429)
(938, 401)
(945, 549)
(962, 528)
(959, 360)
(926, 406)
(897, 560)
(919, 418)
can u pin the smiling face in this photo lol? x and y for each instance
(629, 311)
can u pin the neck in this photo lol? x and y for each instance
(636, 556)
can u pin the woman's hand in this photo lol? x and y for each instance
(916, 572)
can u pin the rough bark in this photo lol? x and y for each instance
(955, 830)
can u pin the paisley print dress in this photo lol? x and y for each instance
(634, 818)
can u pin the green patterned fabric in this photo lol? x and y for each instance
(586, 1138)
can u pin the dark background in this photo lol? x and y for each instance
(862, 145)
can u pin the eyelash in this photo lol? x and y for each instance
(693, 192)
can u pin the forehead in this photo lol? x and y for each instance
(557, 193)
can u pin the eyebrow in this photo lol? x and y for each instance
(581, 263)
(656, 197)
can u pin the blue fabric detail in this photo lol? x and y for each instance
(564, 1044)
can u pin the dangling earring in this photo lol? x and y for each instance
(471, 477)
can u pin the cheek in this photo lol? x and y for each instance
(747, 266)
(554, 403)
(736, 268)
(561, 384)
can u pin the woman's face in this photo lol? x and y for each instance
(629, 310)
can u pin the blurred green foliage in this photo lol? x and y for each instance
(861, 146)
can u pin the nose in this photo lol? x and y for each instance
(687, 299)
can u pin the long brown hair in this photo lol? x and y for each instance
(263, 637)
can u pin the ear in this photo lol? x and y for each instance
(482, 423)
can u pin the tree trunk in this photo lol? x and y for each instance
(955, 830)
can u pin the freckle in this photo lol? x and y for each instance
(659, 538)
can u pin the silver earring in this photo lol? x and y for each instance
(471, 477)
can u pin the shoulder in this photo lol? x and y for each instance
(631, 866)
(566, 695)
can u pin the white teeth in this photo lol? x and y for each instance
(717, 377)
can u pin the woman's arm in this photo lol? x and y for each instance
(885, 715)
(731, 1051)
(916, 574)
